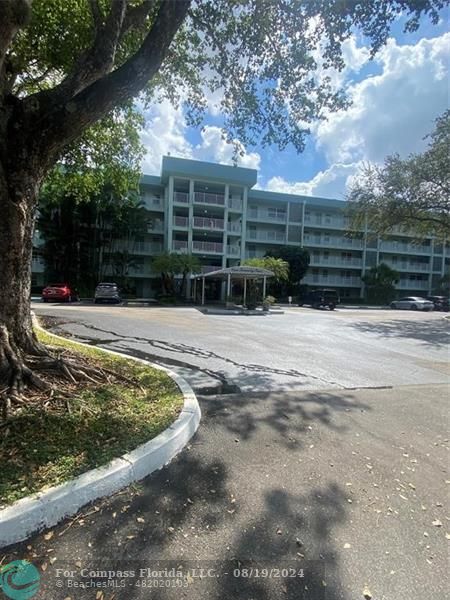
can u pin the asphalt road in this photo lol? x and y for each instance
(350, 485)
(302, 349)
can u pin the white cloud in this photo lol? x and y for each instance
(165, 132)
(330, 183)
(213, 147)
(392, 111)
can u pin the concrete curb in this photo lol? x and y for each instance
(45, 509)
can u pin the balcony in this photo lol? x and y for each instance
(234, 228)
(335, 261)
(206, 198)
(266, 215)
(235, 204)
(207, 247)
(155, 227)
(255, 254)
(181, 197)
(139, 247)
(266, 236)
(407, 266)
(152, 202)
(333, 242)
(332, 280)
(234, 251)
(205, 223)
(402, 247)
(411, 284)
(326, 222)
(181, 222)
(180, 246)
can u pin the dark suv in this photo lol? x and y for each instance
(440, 302)
(321, 299)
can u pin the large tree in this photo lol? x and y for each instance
(298, 261)
(411, 193)
(380, 283)
(65, 66)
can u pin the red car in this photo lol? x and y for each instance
(59, 292)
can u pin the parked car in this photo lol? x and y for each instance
(321, 299)
(412, 303)
(59, 292)
(440, 302)
(107, 292)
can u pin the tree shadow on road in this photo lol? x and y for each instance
(435, 332)
(288, 414)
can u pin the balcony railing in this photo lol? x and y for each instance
(407, 266)
(233, 250)
(337, 261)
(206, 198)
(266, 236)
(205, 223)
(324, 280)
(180, 246)
(235, 204)
(181, 222)
(266, 215)
(402, 247)
(333, 242)
(155, 226)
(152, 202)
(234, 227)
(332, 222)
(207, 247)
(410, 284)
(181, 197)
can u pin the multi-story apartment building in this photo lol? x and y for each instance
(214, 212)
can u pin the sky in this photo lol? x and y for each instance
(395, 99)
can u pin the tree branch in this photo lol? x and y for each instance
(14, 14)
(62, 123)
(136, 15)
(99, 59)
(96, 14)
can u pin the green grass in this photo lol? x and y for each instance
(40, 448)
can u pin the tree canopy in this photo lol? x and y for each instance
(278, 266)
(298, 261)
(411, 194)
(379, 282)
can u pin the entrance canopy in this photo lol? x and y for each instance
(242, 273)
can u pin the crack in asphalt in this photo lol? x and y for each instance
(193, 351)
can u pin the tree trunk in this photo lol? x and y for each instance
(17, 340)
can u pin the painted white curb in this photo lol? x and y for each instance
(45, 509)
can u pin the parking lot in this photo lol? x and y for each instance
(301, 349)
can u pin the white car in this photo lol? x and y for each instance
(412, 303)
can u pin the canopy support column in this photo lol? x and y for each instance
(203, 290)
(245, 291)
(195, 290)
(264, 287)
(228, 286)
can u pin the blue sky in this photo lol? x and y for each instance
(396, 98)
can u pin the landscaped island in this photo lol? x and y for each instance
(82, 425)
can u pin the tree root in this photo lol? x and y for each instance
(38, 371)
